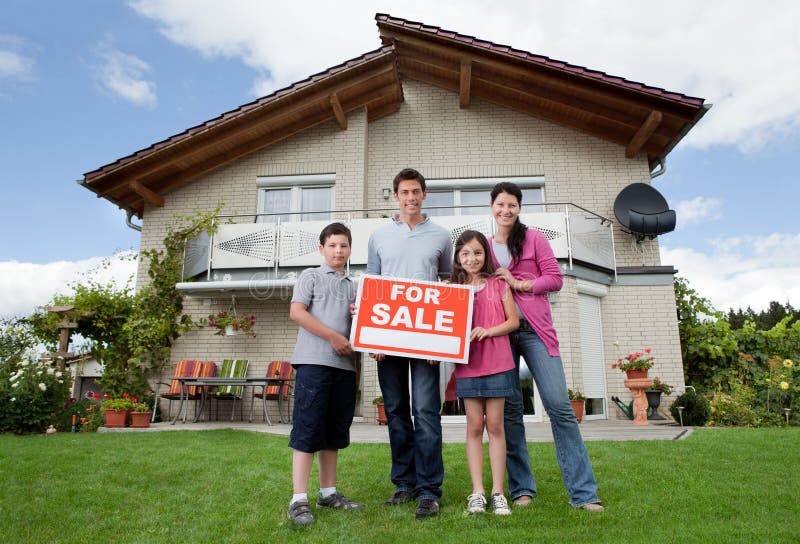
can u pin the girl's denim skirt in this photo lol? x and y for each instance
(492, 386)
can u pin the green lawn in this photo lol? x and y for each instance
(719, 485)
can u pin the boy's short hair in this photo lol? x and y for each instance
(408, 174)
(332, 229)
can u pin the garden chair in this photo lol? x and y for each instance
(184, 369)
(231, 368)
(282, 391)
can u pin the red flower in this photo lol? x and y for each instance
(126, 395)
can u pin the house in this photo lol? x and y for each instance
(466, 113)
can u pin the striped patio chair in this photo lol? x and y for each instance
(183, 369)
(231, 368)
(285, 371)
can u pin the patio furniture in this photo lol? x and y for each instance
(281, 372)
(231, 368)
(183, 369)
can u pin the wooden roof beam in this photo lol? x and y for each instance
(338, 112)
(150, 196)
(643, 134)
(464, 86)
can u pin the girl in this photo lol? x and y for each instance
(487, 379)
(523, 257)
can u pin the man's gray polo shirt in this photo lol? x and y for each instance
(328, 296)
(422, 253)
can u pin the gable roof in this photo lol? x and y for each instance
(640, 117)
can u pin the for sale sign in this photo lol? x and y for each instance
(420, 319)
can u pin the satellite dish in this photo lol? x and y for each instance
(642, 211)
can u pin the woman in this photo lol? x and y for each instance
(523, 257)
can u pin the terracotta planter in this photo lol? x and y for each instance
(141, 419)
(116, 418)
(636, 374)
(578, 406)
(381, 414)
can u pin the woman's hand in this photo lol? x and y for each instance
(505, 274)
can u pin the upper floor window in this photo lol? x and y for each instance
(471, 196)
(296, 198)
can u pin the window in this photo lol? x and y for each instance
(296, 198)
(471, 196)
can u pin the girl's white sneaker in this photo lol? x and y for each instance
(476, 503)
(500, 505)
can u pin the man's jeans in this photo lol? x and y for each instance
(548, 372)
(417, 464)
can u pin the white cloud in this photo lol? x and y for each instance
(697, 210)
(737, 55)
(13, 62)
(744, 271)
(123, 75)
(26, 286)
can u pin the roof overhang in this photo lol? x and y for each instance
(643, 119)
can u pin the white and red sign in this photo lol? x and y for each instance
(421, 319)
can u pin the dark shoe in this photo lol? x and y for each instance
(339, 501)
(300, 513)
(399, 497)
(427, 508)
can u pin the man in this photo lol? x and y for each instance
(412, 247)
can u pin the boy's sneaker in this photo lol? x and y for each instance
(500, 505)
(427, 508)
(339, 501)
(300, 513)
(400, 496)
(476, 503)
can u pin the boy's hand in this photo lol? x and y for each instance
(341, 345)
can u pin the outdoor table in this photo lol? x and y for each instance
(207, 382)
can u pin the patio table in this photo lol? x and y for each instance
(206, 383)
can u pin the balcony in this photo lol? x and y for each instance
(261, 255)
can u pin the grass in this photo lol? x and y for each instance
(724, 485)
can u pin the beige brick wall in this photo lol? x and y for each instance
(431, 133)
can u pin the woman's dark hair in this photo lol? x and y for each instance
(516, 239)
(459, 275)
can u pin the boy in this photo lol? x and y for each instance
(325, 388)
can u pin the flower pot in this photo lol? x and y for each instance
(141, 419)
(116, 418)
(653, 402)
(636, 374)
(230, 331)
(578, 406)
(381, 414)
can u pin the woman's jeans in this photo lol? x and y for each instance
(417, 465)
(548, 372)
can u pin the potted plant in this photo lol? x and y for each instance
(140, 414)
(116, 409)
(654, 397)
(378, 402)
(635, 364)
(578, 402)
(229, 324)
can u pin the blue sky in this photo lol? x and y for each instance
(84, 83)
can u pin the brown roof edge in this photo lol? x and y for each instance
(236, 113)
(384, 19)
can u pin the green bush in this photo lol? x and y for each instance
(32, 396)
(697, 409)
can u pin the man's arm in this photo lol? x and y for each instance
(373, 257)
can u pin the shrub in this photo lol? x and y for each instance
(697, 409)
(32, 396)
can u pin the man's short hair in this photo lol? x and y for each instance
(332, 229)
(408, 174)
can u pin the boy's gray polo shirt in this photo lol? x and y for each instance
(328, 296)
(422, 253)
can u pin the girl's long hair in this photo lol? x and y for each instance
(516, 238)
(459, 275)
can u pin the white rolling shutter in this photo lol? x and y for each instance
(592, 362)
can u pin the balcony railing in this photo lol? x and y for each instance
(266, 250)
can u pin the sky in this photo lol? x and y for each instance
(85, 82)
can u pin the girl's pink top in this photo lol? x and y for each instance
(490, 355)
(538, 264)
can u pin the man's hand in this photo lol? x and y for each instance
(377, 356)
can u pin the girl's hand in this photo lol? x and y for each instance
(479, 333)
